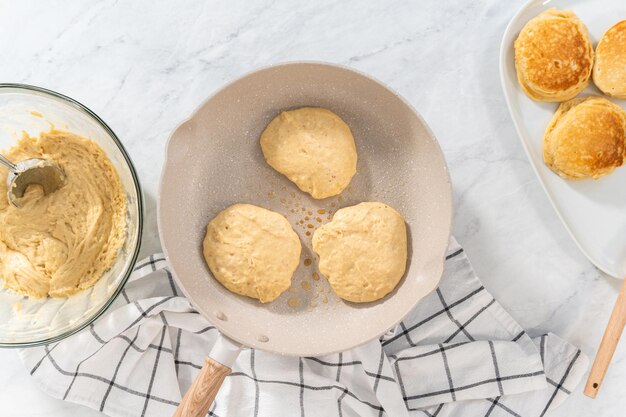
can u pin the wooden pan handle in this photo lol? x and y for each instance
(202, 392)
(607, 347)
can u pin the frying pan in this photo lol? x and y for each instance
(214, 160)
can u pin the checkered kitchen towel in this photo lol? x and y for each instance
(457, 354)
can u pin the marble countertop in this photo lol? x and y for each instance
(144, 66)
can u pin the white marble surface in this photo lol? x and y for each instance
(143, 66)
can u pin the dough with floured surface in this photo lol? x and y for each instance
(252, 251)
(363, 251)
(61, 243)
(312, 147)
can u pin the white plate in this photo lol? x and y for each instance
(594, 212)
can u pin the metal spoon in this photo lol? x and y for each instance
(31, 171)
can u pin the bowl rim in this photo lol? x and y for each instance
(140, 208)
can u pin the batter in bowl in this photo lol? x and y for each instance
(58, 244)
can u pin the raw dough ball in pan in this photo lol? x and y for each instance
(312, 147)
(252, 251)
(362, 251)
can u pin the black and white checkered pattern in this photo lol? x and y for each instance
(457, 354)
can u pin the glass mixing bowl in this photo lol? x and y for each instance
(29, 322)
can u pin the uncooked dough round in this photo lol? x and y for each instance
(362, 251)
(312, 147)
(252, 251)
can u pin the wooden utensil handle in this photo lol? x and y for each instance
(202, 392)
(608, 344)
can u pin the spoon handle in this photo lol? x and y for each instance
(607, 346)
(11, 166)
